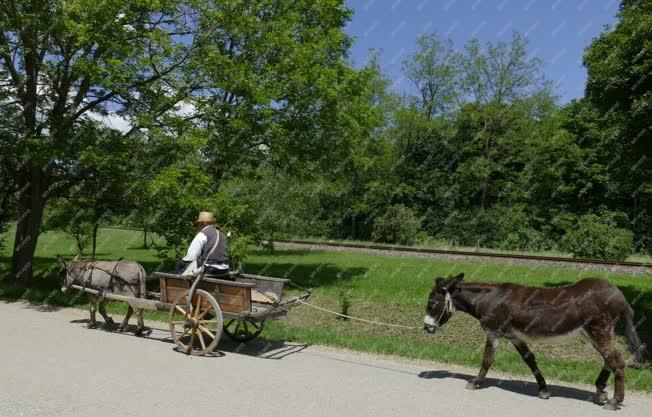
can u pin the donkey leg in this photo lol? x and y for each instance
(124, 323)
(108, 321)
(489, 353)
(141, 322)
(92, 300)
(601, 395)
(531, 362)
(615, 363)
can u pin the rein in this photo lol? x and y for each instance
(378, 323)
(93, 266)
(448, 307)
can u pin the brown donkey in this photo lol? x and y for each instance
(589, 307)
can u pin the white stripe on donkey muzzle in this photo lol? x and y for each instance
(429, 324)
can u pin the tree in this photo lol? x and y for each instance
(248, 81)
(619, 88)
(276, 86)
(65, 62)
(434, 72)
(502, 72)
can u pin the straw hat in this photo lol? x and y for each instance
(205, 217)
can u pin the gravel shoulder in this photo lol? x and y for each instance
(470, 257)
(54, 366)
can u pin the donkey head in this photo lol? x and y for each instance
(63, 273)
(68, 273)
(440, 306)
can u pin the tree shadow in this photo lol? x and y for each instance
(306, 275)
(526, 388)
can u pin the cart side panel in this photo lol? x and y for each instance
(163, 290)
(232, 299)
(174, 287)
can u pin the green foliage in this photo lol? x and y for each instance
(598, 236)
(619, 93)
(180, 193)
(397, 225)
(62, 214)
(345, 304)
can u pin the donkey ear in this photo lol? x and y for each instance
(456, 279)
(61, 260)
(76, 258)
(438, 281)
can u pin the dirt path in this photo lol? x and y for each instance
(53, 366)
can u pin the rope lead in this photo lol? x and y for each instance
(378, 323)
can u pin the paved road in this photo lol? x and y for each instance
(53, 366)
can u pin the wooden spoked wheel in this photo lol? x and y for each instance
(196, 327)
(243, 330)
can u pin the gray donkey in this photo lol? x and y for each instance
(118, 277)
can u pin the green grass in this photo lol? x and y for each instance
(444, 245)
(384, 288)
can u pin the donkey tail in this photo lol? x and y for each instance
(143, 282)
(638, 349)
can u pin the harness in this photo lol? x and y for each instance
(92, 266)
(448, 308)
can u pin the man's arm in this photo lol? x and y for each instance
(195, 247)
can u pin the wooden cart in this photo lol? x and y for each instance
(202, 308)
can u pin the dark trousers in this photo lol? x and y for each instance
(181, 266)
(209, 270)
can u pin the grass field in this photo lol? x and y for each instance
(382, 288)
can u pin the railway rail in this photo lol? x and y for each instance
(640, 267)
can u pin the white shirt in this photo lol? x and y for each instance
(195, 249)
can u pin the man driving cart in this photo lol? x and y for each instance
(209, 249)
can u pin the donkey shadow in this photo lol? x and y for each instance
(527, 388)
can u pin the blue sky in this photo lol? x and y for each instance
(558, 31)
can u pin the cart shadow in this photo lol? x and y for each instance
(262, 348)
(526, 388)
(259, 348)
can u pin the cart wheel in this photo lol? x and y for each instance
(196, 327)
(243, 330)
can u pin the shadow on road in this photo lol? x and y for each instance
(516, 386)
(259, 348)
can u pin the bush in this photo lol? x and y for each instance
(518, 230)
(598, 236)
(476, 228)
(398, 224)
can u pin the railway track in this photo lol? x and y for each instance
(638, 267)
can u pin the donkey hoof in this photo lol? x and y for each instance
(611, 405)
(472, 385)
(139, 332)
(121, 329)
(544, 394)
(601, 398)
(92, 324)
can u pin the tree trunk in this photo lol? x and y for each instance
(79, 238)
(30, 213)
(95, 227)
(145, 237)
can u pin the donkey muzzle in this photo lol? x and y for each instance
(429, 325)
